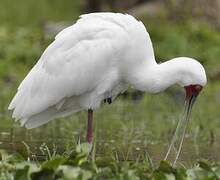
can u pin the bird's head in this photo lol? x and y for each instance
(190, 75)
(193, 77)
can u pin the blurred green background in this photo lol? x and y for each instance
(136, 123)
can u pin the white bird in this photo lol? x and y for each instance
(95, 59)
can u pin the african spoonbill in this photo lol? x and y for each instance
(95, 59)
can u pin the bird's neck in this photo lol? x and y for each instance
(157, 77)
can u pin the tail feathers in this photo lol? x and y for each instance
(12, 105)
(61, 109)
(45, 116)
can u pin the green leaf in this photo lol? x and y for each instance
(44, 174)
(199, 173)
(204, 165)
(166, 167)
(158, 175)
(180, 174)
(170, 177)
(216, 170)
(32, 166)
(84, 148)
(15, 158)
(54, 163)
(22, 174)
(70, 172)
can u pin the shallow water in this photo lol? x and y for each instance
(20, 140)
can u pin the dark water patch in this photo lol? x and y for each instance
(29, 143)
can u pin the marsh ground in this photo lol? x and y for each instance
(130, 127)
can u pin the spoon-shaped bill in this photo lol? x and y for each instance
(178, 137)
(177, 131)
(186, 117)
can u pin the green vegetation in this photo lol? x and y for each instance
(76, 165)
(125, 130)
(34, 13)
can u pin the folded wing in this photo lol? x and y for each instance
(72, 65)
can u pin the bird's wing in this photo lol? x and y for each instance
(72, 65)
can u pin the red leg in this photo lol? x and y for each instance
(89, 126)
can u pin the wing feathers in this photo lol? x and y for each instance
(72, 65)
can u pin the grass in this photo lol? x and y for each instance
(75, 165)
(34, 13)
(125, 123)
(125, 130)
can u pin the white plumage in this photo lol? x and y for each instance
(96, 58)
